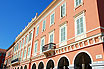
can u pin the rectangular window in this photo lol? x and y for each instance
(0, 54)
(42, 43)
(28, 51)
(44, 23)
(37, 30)
(17, 46)
(51, 37)
(20, 44)
(63, 10)
(30, 35)
(52, 19)
(26, 39)
(25, 53)
(77, 2)
(23, 42)
(35, 47)
(79, 25)
(63, 33)
(21, 55)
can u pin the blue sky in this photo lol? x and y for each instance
(15, 15)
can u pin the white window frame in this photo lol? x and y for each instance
(52, 32)
(65, 41)
(75, 6)
(37, 30)
(27, 39)
(36, 42)
(41, 43)
(65, 10)
(30, 38)
(29, 52)
(84, 24)
(24, 53)
(43, 29)
(50, 18)
(21, 55)
(82, 35)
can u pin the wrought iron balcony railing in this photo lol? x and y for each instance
(49, 46)
(15, 60)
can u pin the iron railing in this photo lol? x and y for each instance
(48, 47)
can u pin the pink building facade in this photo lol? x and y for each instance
(66, 35)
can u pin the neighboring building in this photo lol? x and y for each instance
(68, 34)
(2, 57)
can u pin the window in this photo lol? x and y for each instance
(23, 42)
(37, 30)
(42, 43)
(52, 19)
(79, 24)
(26, 39)
(35, 47)
(43, 28)
(30, 35)
(21, 55)
(17, 46)
(25, 53)
(77, 2)
(3, 60)
(63, 33)
(4, 54)
(0, 54)
(51, 37)
(63, 10)
(20, 44)
(28, 51)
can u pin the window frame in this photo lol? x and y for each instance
(62, 26)
(36, 42)
(43, 25)
(75, 6)
(51, 17)
(41, 43)
(37, 30)
(50, 33)
(61, 11)
(84, 24)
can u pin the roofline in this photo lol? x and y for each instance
(10, 46)
(32, 22)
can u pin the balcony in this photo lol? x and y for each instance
(49, 49)
(15, 61)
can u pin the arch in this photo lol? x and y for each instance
(25, 67)
(63, 63)
(50, 64)
(34, 66)
(21, 67)
(82, 60)
(41, 65)
(18, 68)
(81, 52)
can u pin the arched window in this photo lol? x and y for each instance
(21, 67)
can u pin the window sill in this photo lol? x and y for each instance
(52, 24)
(76, 7)
(62, 17)
(80, 36)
